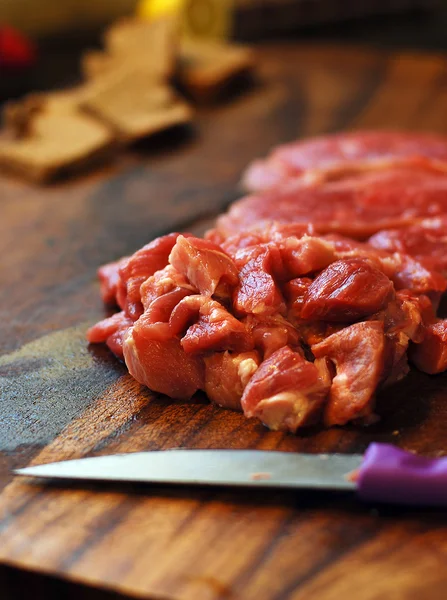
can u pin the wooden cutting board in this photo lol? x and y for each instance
(61, 399)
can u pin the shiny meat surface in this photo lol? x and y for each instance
(358, 205)
(358, 353)
(427, 242)
(346, 291)
(430, 356)
(286, 391)
(342, 152)
(282, 311)
(227, 374)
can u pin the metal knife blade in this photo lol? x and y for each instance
(242, 468)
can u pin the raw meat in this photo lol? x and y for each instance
(358, 353)
(227, 374)
(356, 206)
(287, 350)
(162, 365)
(334, 155)
(426, 241)
(112, 332)
(205, 325)
(257, 291)
(135, 270)
(277, 312)
(430, 355)
(286, 391)
(346, 291)
(205, 265)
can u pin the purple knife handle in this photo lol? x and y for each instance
(389, 474)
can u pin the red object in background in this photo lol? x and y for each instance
(16, 51)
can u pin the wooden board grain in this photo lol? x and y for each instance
(61, 399)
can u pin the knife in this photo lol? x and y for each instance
(383, 474)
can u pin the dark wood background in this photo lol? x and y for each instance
(61, 399)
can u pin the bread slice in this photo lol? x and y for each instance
(96, 63)
(135, 105)
(150, 44)
(53, 142)
(19, 115)
(207, 67)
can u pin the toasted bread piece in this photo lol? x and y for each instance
(152, 44)
(55, 143)
(135, 105)
(18, 115)
(96, 63)
(207, 67)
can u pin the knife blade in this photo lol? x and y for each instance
(384, 473)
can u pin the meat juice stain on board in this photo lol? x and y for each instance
(48, 382)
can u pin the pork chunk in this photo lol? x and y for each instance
(430, 356)
(345, 291)
(287, 391)
(226, 376)
(162, 365)
(358, 353)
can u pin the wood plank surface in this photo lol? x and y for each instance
(62, 399)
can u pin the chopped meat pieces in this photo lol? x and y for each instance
(305, 255)
(111, 331)
(411, 274)
(109, 278)
(430, 356)
(140, 266)
(258, 291)
(284, 310)
(286, 391)
(426, 242)
(346, 290)
(204, 264)
(205, 325)
(295, 291)
(270, 333)
(163, 282)
(358, 353)
(162, 365)
(226, 376)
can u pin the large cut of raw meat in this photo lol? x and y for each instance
(286, 310)
(357, 205)
(332, 155)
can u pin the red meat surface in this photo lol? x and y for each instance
(346, 291)
(294, 291)
(430, 356)
(258, 291)
(356, 206)
(342, 153)
(358, 353)
(426, 241)
(270, 333)
(111, 331)
(163, 282)
(205, 265)
(282, 311)
(162, 365)
(135, 270)
(109, 279)
(205, 325)
(227, 375)
(286, 391)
